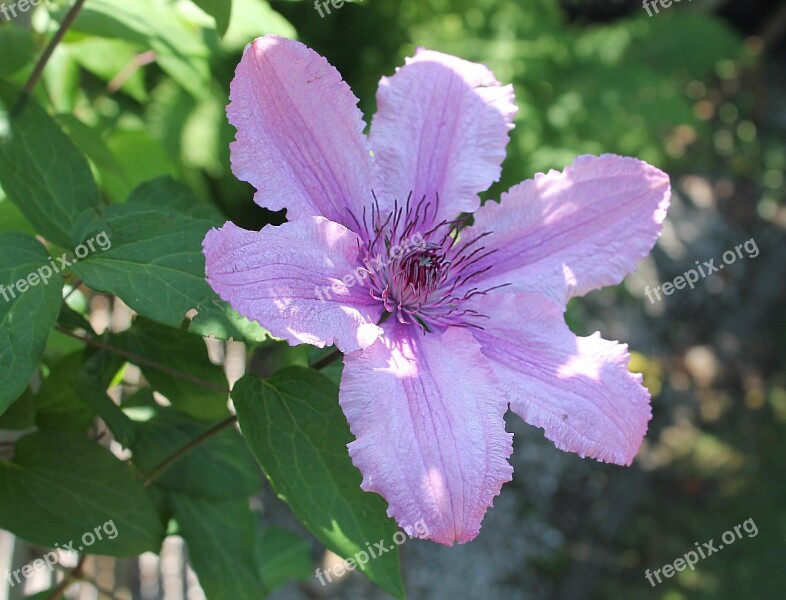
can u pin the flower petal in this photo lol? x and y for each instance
(564, 234)
(441, 128)
(430, 430)
(282, 278)
(300, 139)
(578, 389)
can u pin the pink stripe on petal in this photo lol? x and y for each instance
(578, 389)
(290, 279)
(564, 234)
(300, 139)
(441, 128)
(430, 430)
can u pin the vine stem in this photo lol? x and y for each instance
(214, 430)
(76, 573)
(42, 62)
(193, 443)
(135, 358)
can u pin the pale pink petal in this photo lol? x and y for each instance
(300, 139)
(578, 389)
(430, 430)
(564, 234)
(441, 128)
(296, 280)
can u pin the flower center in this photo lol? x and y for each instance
(421, 269)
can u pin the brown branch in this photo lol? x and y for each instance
(195, 442)
(135, 358)
(76, 573)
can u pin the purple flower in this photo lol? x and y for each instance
(442, 326)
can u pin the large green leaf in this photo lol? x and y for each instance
(220, 468)
(25, 318)
(61, 486)
(42, 171)
(155, 263)
(296, 430)
(221, 537)
(184, 353)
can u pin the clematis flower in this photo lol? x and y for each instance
(441, 334)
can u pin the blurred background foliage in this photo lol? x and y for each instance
(697, 90)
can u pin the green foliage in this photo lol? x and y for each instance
(16, 48)
(296, 430)
(43, 172)
(281, 557)
(221, 468)
(61, 486)
(179, 48)
(220, 10)
(58, 404)
(221, 539)
(25, 316)
(182, 353)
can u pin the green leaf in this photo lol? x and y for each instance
(180, 50)
(43, 172)
(220, 10)
(91, 383)
(252, 19)
(21, 414)
(27, 317)
(165, 192)
(61, 486)
(219, 468)
(295, 428)
(58, 405)
(182, 352)
(155, 263)
(281, 557)
(17, 48)
(220, 536)
(156, 266)
(106, 58)
(11, 218)
(90, 142)
(141, 158)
